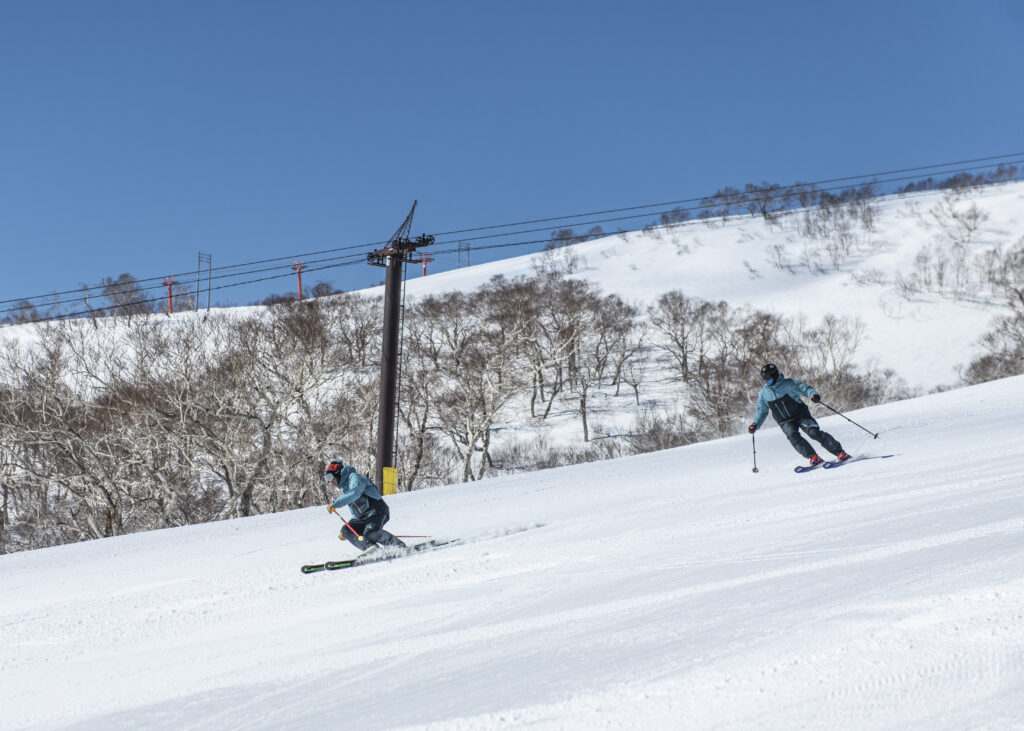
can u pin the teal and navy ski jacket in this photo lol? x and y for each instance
(357, 491)
(782, 397)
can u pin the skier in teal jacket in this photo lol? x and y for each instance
(369, 511)
(781, 396)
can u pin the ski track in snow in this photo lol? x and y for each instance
(669, 590)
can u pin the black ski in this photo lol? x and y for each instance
(385, 555)
(312, 568)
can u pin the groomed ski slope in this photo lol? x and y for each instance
(665, 591)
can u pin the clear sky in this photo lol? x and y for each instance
(135, 134)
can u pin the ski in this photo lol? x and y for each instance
(801, 468)
(827, 465)
(314, 568)
(836, 463)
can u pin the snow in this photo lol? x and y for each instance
(735, 262)
(671, 590)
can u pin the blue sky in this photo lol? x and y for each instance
(134, 135)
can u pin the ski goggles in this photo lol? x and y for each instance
(330, 478)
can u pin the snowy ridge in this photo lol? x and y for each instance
(669, 590)
(923, 338)
(778, 269)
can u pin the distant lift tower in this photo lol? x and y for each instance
(395, 254)
(206, 259)
(426, 259)
(298, 267)
(169, 283)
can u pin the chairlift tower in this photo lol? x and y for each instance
(169, 283)
(394, 256)
(298, 266)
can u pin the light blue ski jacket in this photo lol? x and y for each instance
(782, 398)
(357, 491)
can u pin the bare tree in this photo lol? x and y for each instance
(671, 318)
(1004, 343)
(125, 296)
(481, 371)
(22, 312)
(763, 200)
(603, 331)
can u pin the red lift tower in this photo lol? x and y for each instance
(298, 267)
(169, 282)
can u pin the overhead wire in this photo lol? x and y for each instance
(732, 199)
(720, 198)
(154, 300)
(697, 200)
(192, 273)
(99, 291)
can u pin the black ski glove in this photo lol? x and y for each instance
(751, 428)
(815, 398)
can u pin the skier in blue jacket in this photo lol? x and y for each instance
(781, 396)
(369, 511)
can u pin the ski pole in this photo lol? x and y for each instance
(847, 418)
(753, 443)
(349, 527)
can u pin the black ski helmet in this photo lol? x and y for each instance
(333, 471)
(769, 371)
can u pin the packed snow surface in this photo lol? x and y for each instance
(671, 590)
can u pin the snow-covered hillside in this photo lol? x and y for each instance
(924, 338)
(670, 590)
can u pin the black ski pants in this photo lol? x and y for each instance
(371, 527)
(791, 428)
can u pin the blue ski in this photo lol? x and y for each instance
(807, 468)
(837, 462)
(827, 465)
